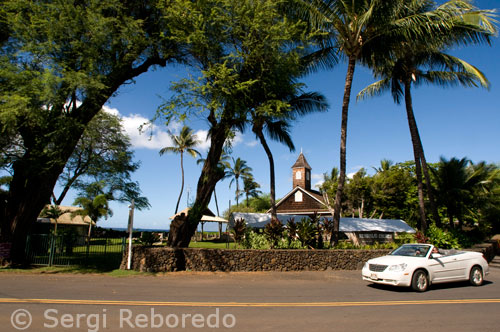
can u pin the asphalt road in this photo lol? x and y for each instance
(288, 301)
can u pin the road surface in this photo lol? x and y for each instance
(268, 301)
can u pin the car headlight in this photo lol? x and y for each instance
(398, 267)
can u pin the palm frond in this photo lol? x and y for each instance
(374, 89)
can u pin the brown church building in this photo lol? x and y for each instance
(302, 200)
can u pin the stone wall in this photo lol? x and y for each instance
(163, 259)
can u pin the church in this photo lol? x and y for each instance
(304, 202)
(302, 199)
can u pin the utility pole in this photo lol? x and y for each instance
(130, 230)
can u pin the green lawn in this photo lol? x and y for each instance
(211, 245)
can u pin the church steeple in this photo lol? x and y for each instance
(301, 173)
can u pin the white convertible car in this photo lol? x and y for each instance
(420, 265)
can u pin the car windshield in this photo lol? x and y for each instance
(415, 250)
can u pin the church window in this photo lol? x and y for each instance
(298, 196)
(298, 175)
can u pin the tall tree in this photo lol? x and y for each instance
(277, 124)
(422, 61)
(459, 182)
(234, 45)
(62, 61)
(250, 188)
(223, 164)
(103, 153)
(184, 142)
(355, 28)
(238, 169)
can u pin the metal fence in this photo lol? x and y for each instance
(66, 250)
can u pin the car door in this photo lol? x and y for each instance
(446, 267)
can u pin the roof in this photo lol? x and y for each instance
(186, 211)
(312, 193)
(67, 219)
(209, 216)
(259, 220)
(301, 162)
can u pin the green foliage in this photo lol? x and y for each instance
(239, 228)
(255, 240)
(442, 239)
(148, 238)
(273, 232)
(103, 154)
(307, 232)
(350, 245)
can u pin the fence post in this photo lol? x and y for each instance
(52, 249)
(87, 250)
(27, 253)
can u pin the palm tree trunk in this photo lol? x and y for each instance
(430, 193)
(263, 141)
(422, 225)
(237, 192)
(182, 184)
(216, 204)
(343, 141)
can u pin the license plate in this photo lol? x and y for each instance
(374, 276)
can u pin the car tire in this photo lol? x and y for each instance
(476, 276)
(420, 281)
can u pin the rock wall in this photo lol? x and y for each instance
(163, 259)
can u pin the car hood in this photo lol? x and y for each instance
(392, 260)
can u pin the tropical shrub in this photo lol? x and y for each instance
(254, 240)
(238, 229)
(441, 238)
(273, 231)
(306, 232)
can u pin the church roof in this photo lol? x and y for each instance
(301, 162)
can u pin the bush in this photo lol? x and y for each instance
(441, 238)
(148, 238)
(255, 241)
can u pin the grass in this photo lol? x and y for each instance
(212, 245)
(73, 270)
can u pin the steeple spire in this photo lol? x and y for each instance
(301, 173)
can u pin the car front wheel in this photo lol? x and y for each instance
(476, 276)
(420, 281)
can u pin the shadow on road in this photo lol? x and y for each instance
(451, 285)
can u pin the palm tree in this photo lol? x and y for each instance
(385, 165)
(94, 203)
(277, 128)
(458, 182)
(238, 169)
(184, 142)
(356, 29)
(250, 187)
(422, 61)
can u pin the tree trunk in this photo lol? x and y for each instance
(216, 204)
(430, 193)
(260, 135)
(182, 184)
(422, 224)
(35, 176)
(343, 141)
(211, 173)
(237, 192)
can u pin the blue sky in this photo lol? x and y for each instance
(453, 122)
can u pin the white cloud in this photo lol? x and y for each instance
(252, 143)
(319, 178)
(152, 136)
(204, 140)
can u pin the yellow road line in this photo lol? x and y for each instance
(244, 304)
